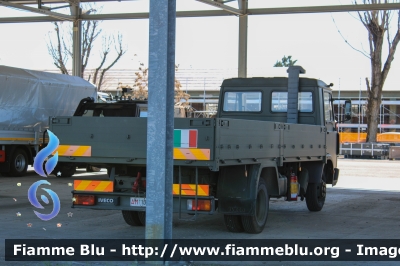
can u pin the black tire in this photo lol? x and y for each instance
(109, 171)
(18, 163)
(91, 168)
(315, 196)
(64, 170)
(142, 217)
(233, 223)
(255, 224)
(133, 218)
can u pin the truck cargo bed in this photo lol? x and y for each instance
(217, 142)
(123, 140)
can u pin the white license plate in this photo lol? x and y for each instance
(138, 202)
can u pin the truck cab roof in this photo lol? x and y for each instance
(266, 99)
(271, 82)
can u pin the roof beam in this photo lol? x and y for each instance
(322, 9)
(179, 14)
(120, 16)
(33, 2)
(255, 11)
(222, 6)
(37, 10)
(28, 19)
(209, 13)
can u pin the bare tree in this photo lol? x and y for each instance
(120, 51)
(377, 23)
(141, 83)
(140, 86)
(90, 32)
(61, 49)
(180, 94)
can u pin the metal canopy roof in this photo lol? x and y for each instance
(238, 8)
(224, 10)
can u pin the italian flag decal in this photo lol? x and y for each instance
(185, 138)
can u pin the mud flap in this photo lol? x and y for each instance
(303, 181)
(237, 189)
(335, 176)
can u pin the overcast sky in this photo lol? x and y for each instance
(212, 42)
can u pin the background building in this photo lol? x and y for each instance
(355, 130)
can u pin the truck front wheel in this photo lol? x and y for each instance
(134, 218)
(254, 224)
(19, 163)
(315, 196)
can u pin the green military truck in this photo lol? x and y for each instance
(271, 138)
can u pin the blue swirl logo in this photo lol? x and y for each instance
(33, 200)
(44, 153)
(51, 163)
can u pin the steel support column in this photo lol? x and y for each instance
(76, 42)
(160, 121)
(243, 21)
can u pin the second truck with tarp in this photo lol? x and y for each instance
(27, 99)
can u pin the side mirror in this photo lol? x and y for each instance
(347, 110)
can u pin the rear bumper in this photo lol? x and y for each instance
(122, 201)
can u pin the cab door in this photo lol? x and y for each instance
(331, 138)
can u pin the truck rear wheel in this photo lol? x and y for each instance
(254, 224)
(134, 218)
(19, 163)
(142, 217)
(233, 223)
(315, 196)
(64, 170)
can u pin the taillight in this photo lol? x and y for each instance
(2, 156)
(202, 205)
(83, 199)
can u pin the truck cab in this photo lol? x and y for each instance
(266, 99)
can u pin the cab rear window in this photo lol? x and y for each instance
(242, 101)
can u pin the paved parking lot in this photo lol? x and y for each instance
(365, 204)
